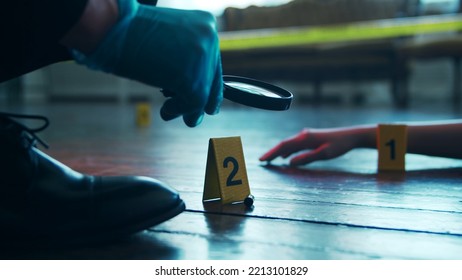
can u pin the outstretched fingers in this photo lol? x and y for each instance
(314, 155)
(283, 149)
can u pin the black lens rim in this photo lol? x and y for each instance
(258, 101)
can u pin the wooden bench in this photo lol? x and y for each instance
(321, 62)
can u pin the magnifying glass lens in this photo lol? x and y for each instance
(253, 93)
(256, 93)
(253, 89)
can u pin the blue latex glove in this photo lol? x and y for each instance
(176, 50)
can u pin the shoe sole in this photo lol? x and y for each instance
(101, 236)
(112, 234)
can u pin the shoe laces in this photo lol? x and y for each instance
(32, 138)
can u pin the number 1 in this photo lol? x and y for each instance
(392, 145)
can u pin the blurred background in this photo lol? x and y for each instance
(403, 70)
(217, 7)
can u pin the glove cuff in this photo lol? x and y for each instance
(106, 55)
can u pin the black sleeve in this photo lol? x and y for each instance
(30, 33)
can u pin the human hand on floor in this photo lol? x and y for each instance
(318, 144)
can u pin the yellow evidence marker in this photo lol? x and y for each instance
(143, 114)
(225, 174)
(391, 146)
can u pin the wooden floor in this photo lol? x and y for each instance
(337, 209)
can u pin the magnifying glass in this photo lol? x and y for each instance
(255, 93)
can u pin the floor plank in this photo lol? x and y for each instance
(215, 236)
(337, 209)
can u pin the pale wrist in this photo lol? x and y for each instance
(366, 136)
(98, 18)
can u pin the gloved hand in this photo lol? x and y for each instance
(176, 50)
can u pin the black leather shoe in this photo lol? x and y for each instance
(44, 201)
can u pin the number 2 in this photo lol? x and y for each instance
(231, 181)
(392, 145)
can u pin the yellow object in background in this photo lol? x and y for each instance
(226, 174)
(143, 114)
(392, 147)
